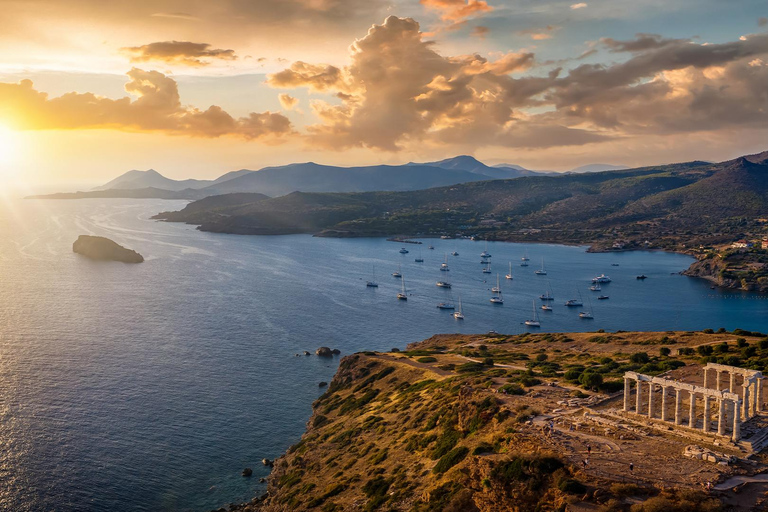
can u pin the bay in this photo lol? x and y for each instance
(151, 386)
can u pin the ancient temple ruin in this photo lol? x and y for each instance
(731, 407)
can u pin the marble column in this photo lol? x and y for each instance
(759, 395)
(721, 416)
(626, 394)
(736, 423)
(705, 377)
(664, 415)
(638, 405)
(733, 381)
(678, 412)
(745, 404)
(717, 382)
(650, 400)
(707, 414)
(692, 411)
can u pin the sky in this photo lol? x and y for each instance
(91, 89)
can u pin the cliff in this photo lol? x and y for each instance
(100, 248)
(746, 271)
(462, 423)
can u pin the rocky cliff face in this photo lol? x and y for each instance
(431, 430)
(100, 248)
(735, 271)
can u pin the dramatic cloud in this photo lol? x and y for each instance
(157, 108)
(458, 10)
(397, 93)
(287, 101)
(183, 53)
(579, 5)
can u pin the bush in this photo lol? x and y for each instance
(639, 358)
(488, 361)
(664, 351)
(573, 374)
(512, 389)
(541, 357)
(590, 379)
(705, 350)
(571, 486)
(741, 342)
(444, 444)
(470, 368)
(427, 359)
(708, 331)
(450, 459)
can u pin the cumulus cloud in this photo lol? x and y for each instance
(183, 53)
(398, 92)
(579, 5)
(157, 107)
(457, 10)
(287, 101)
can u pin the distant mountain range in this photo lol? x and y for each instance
(674, 206)
(312, 177)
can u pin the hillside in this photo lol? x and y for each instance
(694, 202)
(462, 423)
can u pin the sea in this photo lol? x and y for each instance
(150, 387)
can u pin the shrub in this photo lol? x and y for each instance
(590, 379)
(512, 389)
(450, 459)
(639, 358)
(573, 374)
(741, 342)
(488, 361)
(571, 486)
(427, 359)
(708, 331)
(541, 357)
(705, 350)
(664, 351)
(444, 444)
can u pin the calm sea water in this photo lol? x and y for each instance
(151, 386)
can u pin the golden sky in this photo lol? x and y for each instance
(90, 89)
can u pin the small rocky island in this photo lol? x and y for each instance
(100, 248)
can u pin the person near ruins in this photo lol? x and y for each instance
(631, 468)
(589, 449)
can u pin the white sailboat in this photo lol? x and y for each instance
(525, 256)
(443, 284)
(459, 315)
(587, 314)
(548, 294)
(487, 270)
(596, 287)
(485, 253)
(397, 273)
(497, 288)
(509, 276)
(541, 271)
(497, 299)
(546, 307)
(372, 283)
(420, 259)
(444, 265)
(402, 295)
(574, 302)
(535, 322)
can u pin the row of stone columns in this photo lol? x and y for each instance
(752, 388)
(723, 405)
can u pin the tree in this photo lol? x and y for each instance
(591, 379)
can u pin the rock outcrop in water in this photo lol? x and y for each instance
(100, 248)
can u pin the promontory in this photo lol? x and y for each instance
(101, 248)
